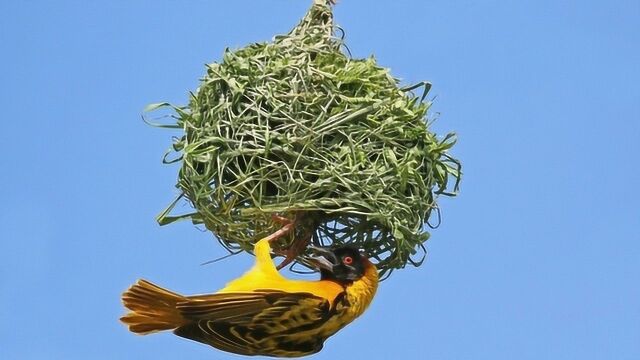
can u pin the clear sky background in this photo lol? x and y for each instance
(538, 258)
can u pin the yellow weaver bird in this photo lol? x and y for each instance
(262, 312)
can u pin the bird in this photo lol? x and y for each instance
(262, 312)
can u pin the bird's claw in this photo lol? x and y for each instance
(297, 246)
(280, 233)
(281, 219)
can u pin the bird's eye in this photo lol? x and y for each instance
(347, 260)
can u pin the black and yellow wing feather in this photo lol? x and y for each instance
(268, 322)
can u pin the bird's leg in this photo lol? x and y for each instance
(286, 228)
(297, 247)
(280, 233)
(300, 241)
(305, 225)
(281, 219)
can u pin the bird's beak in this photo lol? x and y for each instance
(323, 258)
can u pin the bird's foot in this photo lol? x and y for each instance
(280, 233)
(298, 245)
(281, 219)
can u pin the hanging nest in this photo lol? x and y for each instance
(296, 128)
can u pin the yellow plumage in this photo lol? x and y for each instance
(265, 274)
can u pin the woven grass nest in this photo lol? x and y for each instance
(296, 129)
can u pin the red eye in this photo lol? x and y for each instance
(348, 260)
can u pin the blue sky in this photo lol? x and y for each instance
(537, 259)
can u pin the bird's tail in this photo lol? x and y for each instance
(152, 308)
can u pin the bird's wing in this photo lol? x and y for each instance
(265, 322)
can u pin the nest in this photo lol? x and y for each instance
(297, 128)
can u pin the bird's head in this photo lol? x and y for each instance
(343, 264)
